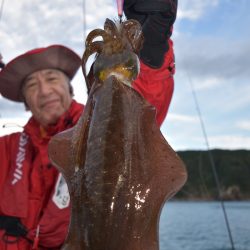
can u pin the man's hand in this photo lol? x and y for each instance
(157, 18)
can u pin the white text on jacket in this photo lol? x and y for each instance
(20, 158)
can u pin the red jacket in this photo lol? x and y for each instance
(33, 190)
(30, 183)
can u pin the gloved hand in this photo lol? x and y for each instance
(157, 18)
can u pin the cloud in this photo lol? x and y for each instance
(40, 23)
(208, 83)
(79, 87)
(182, 118)
(245, 125)
(230, 142)
(212, 57)
(11, 109)
(194, 9)
(217, 66)
(186, 139)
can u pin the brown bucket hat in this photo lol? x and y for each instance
(52, 57)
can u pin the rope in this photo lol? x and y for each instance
(212, 162)
(1, 10)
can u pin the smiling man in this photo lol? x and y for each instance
(47, 94)
(34, 199)
(34, 203)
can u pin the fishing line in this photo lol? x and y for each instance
(214, 170)
(1, 10)
(204, 186)
(84, 19)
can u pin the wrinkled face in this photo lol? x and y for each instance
(47, 95)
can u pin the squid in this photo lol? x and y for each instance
(119, 168)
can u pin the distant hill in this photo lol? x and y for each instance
(233, 169)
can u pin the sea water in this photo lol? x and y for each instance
(201, 226)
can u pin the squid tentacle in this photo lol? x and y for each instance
(94, 47)
(111, 28)
(94, 34)
(116, 38)
(131, 31)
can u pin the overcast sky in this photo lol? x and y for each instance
(212, 47)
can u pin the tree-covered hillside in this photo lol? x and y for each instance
(233, 169)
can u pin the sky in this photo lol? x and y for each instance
(211, 101)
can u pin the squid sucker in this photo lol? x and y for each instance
(119, 168)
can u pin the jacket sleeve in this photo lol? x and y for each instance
(157, 85)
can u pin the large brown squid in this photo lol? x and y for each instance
(119, 168)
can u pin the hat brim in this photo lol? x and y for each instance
(52, 57)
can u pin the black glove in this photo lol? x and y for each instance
(157, 18)
(12, 226)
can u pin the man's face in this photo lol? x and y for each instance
(47, 95)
